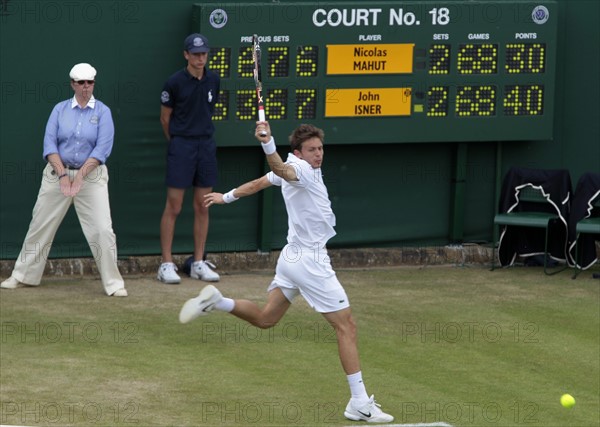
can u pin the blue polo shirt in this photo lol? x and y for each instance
(77, 133)
(193, 103)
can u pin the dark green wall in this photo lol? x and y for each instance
(383, 195)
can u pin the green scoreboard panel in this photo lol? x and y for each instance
(386, 72)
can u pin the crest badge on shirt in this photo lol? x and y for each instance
(210, 96)
(164, 97)
(94, 120)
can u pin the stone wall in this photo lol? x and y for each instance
(247, 261)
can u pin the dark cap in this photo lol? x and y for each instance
(196, 43)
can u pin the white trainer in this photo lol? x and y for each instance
(201, 270)
(11, 283)
(119, 293)
(367, 411)
(201, 305)
(167, 274)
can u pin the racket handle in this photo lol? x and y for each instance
(261, 117)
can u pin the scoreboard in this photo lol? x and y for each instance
(386, 72)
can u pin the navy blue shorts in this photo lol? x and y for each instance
(191, 162)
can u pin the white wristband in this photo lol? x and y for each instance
(269, 147)
(229, 197)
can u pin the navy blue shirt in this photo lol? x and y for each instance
(193, 103)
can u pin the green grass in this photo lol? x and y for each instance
(464, 346)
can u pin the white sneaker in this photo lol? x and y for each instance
(11, 283)
(119, 293)
(201, 305)
(367, 411)
(167, 274)
(201, 270)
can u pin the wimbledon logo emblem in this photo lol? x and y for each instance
(218, 18)
(540, 14)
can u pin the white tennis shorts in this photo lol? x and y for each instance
(308, 272)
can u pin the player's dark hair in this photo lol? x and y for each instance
(302, 133)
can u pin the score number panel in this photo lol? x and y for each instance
(388, 72)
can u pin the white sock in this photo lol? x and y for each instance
(226, 304)
(357, 387)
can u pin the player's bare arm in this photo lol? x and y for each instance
(244, 190)
(277, 165)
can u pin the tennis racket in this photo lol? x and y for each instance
(258, 80)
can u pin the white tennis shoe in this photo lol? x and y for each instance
(366, 411)
(120, 293)
(201, 270)
(11, 283)
(167, 274)
(201, 305)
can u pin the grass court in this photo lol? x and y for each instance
(461, 346)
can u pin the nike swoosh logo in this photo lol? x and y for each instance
(363, 414)
(209, 307)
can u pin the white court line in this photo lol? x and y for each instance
(440, 424)
(386, 425)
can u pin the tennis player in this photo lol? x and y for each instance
(303, 266)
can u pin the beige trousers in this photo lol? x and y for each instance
(93, 210)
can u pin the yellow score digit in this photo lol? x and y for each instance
(246, 105)
(437, 101)
(245, 62)
(476, 101)
(221, 107)
(306, 103)
(525, 100)
(477, 59)
(275, 104)
(525, 58)
(279, 59)
(306, 61)
(439, 59)
(219, 61)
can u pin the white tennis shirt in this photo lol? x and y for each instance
(310, 218)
